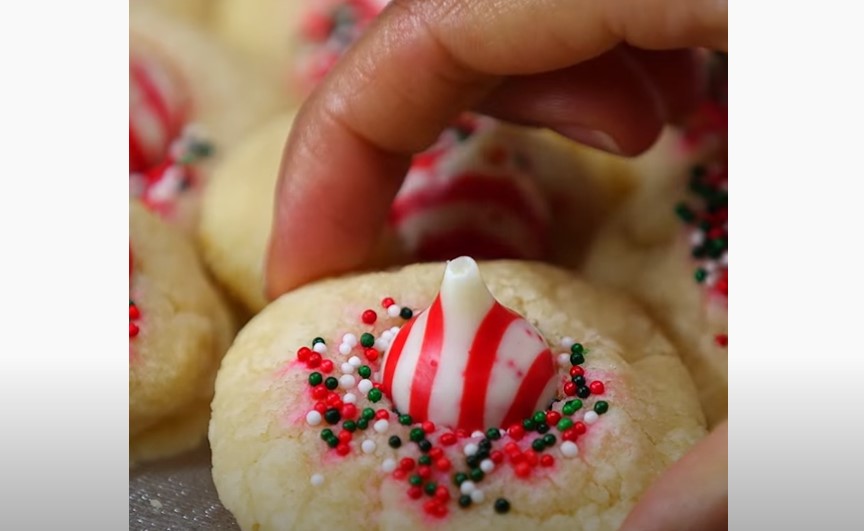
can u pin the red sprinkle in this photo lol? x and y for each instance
(597, 388)
(424, 472)
(569, 435)
(343, 448)
(399, 474)
(314, 360)
(462, 434)
(441, 511)
(576, 370)
(496, 456)
(447, 439)
(349, 411)
(327, 366)
(133, 330)
(345, 436)
(319, 392)
(443, 464)
(523, 470)
(387, 302)
(579, 427)
(415, 492)
(511, 448)
(531, 457)
(570, 389)
(334, 400)
(371, 354)
(516, 432)
(431, 507)
(547, 460)
(321, 407)
(382, 414)
(133, 312)
(406, 464)
(428, 426)
(436, 453)
(722, 340)
(369, 316)
(552, 417)
(442, 494)
(303, 354)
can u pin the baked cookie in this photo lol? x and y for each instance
(187, 97)
(195, 11)
(179, 328)
(667, 247)
(381, 402)
(486, 188)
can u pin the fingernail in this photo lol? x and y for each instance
(590, 137)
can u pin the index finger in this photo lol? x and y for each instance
(418, 67)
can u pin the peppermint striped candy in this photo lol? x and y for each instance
(157, 111)
(467, 361)
(472, 194)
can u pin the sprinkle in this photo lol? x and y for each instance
(471, 449)
(590, 417)
(365, 371)
(569, 449)
(350, 340)
(564, 359)
(316, 479)
(332, 416)
(331, 383)
(364, 386)
(327, 366)
(347, 368)
(406, 313)
(320, 348)
(389, 465)
(393, 310)
(502, 506)
(381, 344)
(345, 349)
(477, 434)
(374, 395)
(567, 342)
(369, 316)
(347, 381)
(601, 407)
(313, 418)
(317, 340)
(349, 398)
(387, 302)
(381, 425)
(487, 465)
(394, 442)
(368, 446)
(367, 340)
(355, 361)
(467, 487)
(477, 496)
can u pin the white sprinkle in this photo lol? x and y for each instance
(349, 398)
(347, 381)
(365, 385)
(389, 465)
(567, 342)
(316, 479)
(320, 348)
(467, 487)
(313, 418)
(697, 238)
(381, 344)
(724, 259)
(591, 417)
(347, 368)
(368, 446)
(387, 335)
(487, 465)
(471, 449)
(355, 361)
(710, 267)
(381, 425)
(477, 496)
(477, 434)
(563, 360)
(569, 449)
(344, 349)
(393, 310)
(350, 340)
(394, 330)
(710, 279)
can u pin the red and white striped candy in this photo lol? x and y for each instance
(473, 196)
(157, 111)
(467, 361)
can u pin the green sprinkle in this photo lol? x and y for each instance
(577, 359)
(564, 424)
(700, 275)
(601, 407)
(430, 488)
(364, 371)
(493, 434)
(405, 420)
(374, 395)
(476, 475)
(549, 440)
(577, 348)
(459, 478)
(318, 340)
(539, 417)
(528, 424)
(424, 460)
(349, 425)
(415, 480)
(538, 445)
(368, 413)
(331, 383)
(332, 416)
(502, 506)
(326, 433)
(362, 424)
(406, 313)
(417, 434)
(315, 378)
(394, 441)
(685, 213)
(332, 442)
(367, 339)
(464, 501)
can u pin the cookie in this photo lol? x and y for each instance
(668, 248)
(179, 328)
(189, 99)
(513, 397)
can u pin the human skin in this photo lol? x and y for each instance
(609, 74)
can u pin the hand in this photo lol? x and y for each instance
(580, 67)
(691, 495)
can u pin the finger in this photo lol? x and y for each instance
(421, 64)
(617, 102)
(692, 494)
